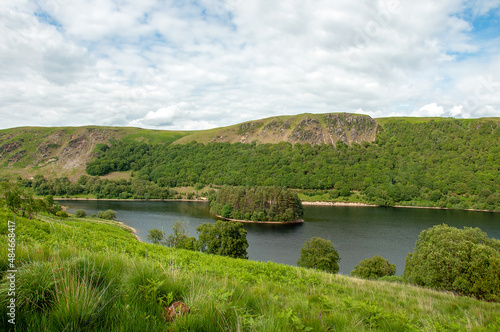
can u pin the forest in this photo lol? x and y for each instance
(436, 163)
(257, 204)
(446, 163)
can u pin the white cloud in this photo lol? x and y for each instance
(161, 65)
(431, 110)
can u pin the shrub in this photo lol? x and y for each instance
(62, 214)
(79, 213)
(319, 254)
(108, 215)
(465, 261)
(374, 268)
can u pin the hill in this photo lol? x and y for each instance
(304, 128)
(431, 162)
(88, 275)
(65, 151)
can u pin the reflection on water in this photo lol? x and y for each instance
(356, 232)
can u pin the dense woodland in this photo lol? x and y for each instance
(257, 204)
(443, 163)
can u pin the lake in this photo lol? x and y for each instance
(356, 232)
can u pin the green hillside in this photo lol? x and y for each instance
(89, 275)
(57, 151)
(303, 128)
(431, 162)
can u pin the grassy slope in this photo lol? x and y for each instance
(109, 281)
(64, 151)
(259, 130)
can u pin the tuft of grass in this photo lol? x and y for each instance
(88, 276)
(80, 306)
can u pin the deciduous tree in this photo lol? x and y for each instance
(319, 254)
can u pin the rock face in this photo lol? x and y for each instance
(305, 129)
(62, 148)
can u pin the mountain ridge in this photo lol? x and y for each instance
(56, 151)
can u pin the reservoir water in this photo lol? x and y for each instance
(356, 232)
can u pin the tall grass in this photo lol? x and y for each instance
(82, 276)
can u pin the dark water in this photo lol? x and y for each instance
(356, 232)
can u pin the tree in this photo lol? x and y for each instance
(374, 268)
(225, 238)
(465, 261)
(12, 194)
(319, 254)
(180, 239)
(156, 236)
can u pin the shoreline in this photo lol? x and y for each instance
(129, 199)
(326, 203)
(307, 203)
(299, 221)
(134, 231)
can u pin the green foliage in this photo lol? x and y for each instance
(108, 215)
(21, 200)
(465, 261)
(180, 239)
(92, 275)
(80, 213)
(441, 163)
(373, 268)
(62, 214)
(12, 194)
(320, 254)
(156, 236)
(225, 238)
(257, 204)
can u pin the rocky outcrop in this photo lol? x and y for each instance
(311, 129)
(61, 148)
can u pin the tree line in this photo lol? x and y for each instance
(445, 163)
(257, 204)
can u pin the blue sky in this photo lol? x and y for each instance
(186, 65)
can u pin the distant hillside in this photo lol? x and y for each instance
(431, 153)
(66, 150)
(304, 128)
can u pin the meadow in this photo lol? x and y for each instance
(87, 274)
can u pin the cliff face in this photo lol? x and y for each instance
(304, 128)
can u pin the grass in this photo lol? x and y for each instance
(82, 275)
(52, 151)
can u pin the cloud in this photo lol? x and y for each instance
(432, 110)
(196, 65)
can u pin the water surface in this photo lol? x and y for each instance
(356, 232)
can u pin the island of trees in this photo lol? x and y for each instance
(272, 204)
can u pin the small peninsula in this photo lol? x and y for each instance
(257, 204)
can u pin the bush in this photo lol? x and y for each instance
(319, 254)
(62, 214)
(108, 215)
(80, 213)
(373, 268)
(465, 261)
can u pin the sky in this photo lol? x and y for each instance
(190, 65)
